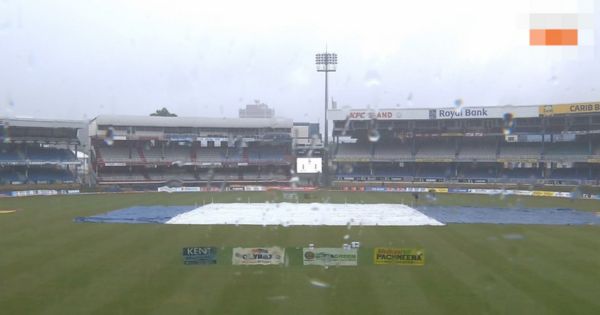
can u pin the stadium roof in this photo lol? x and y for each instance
(43, 123)
(463, 112)
(194, 122)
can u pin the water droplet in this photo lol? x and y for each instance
(576, 193)
(319, 284)
(513, 236)
(372, 78)
(373, 135)
(458, 103)
(348, 168)
(277, 298)
(346, 126)
(109, 137)
(177, 163)
(507, 123)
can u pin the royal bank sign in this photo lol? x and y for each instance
(460, 114)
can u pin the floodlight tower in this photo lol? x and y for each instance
(326, 62)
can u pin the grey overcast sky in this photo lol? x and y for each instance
(78, 59)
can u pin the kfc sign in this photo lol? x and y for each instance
(363, 115)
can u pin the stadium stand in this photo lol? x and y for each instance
(138, 150)
(38, 153)
(353, 151)
(444, 149)
(392, 151)
(544, 145)
(472, 172)
(520, 150)
(565, 149)
(478, 150)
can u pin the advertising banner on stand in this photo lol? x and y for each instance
(330, 256)
(258, 256)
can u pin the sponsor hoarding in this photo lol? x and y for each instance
(575, 108)
(544, 193)
(398, 256)
(330, 256)
(186, 189)
(43, 192)
(484, 112)
(258, 256)
(199, 255)
(434, 113)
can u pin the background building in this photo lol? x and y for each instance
(257, 110)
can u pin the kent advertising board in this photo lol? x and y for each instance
(199, 255)
(330, 256)
(258, 256)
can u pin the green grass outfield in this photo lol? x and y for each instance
(51, 265)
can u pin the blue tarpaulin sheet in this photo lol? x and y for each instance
(444, 214)
(138, 214)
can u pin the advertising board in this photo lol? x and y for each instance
(330, 256)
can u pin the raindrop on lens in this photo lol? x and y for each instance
(109, 137)
(373, 135)
(346, 126)
(458, 103)
(507, 123)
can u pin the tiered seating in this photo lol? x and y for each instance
(402, 171)
(438, 149)
(266, 153)
(568, 173)
(154, 154)
(118, 154)
(8, 176)
(47, 175)
(210, 154)
(353, 150)
(172, 175)
(10, 155)
(521, 173)
(564, 149)
(36, 154)
(234, 154)
(221, 175)
(115, 177)
(477, 150)
(50, 155)
(434, 171)
(476, 172)
(392, 151)
(596, 149)
(521, 150)
(179, 154)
